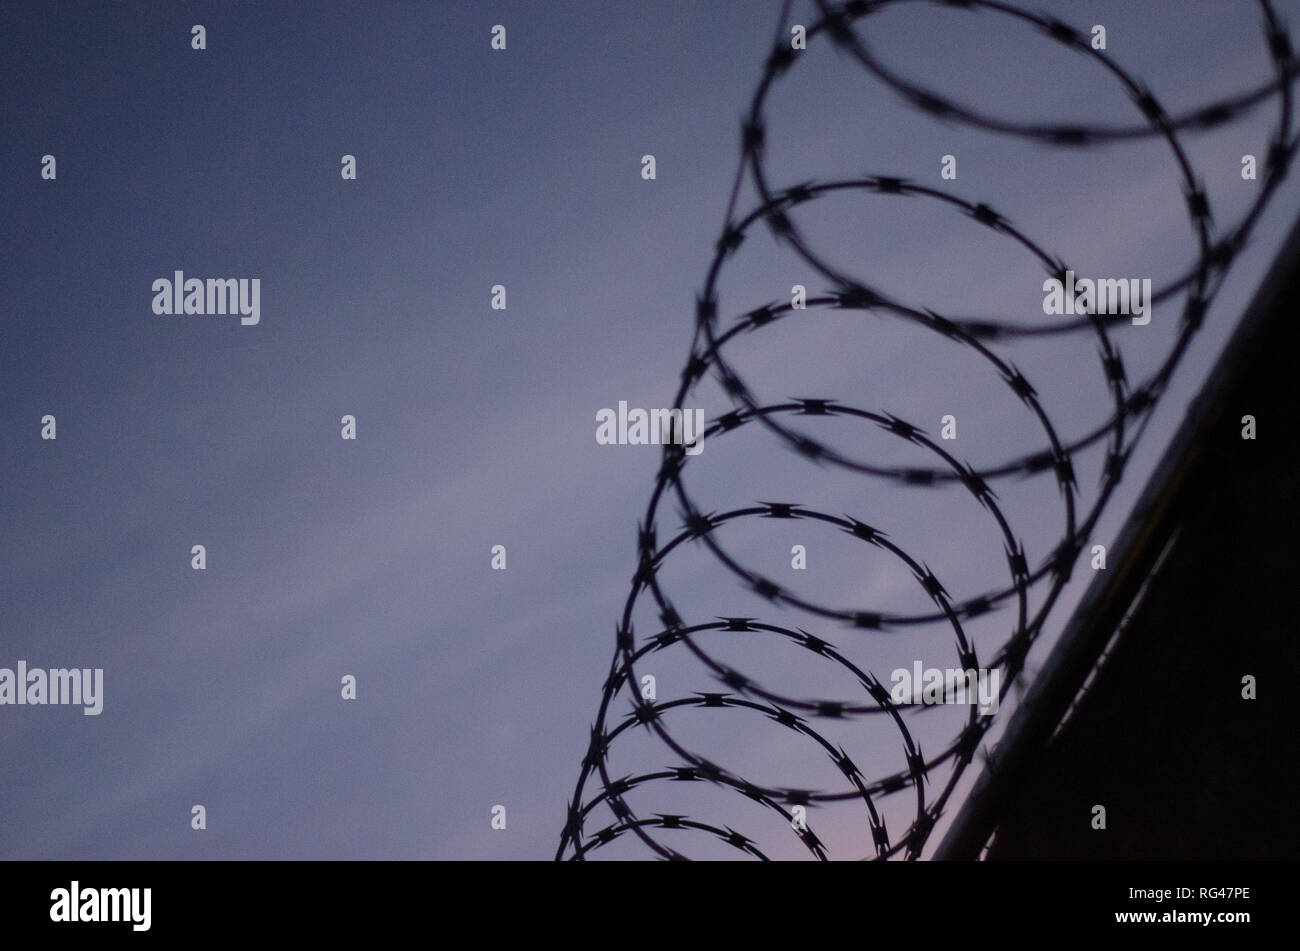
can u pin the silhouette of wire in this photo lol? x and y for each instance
(1120, 431)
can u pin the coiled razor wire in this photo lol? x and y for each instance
(588, 827)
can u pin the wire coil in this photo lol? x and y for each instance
(588, 826)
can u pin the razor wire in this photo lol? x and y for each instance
(599, 811)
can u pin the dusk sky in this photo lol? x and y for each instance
(475, 427)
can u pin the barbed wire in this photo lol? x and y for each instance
(1120, 431)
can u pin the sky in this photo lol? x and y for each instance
(475, 427)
